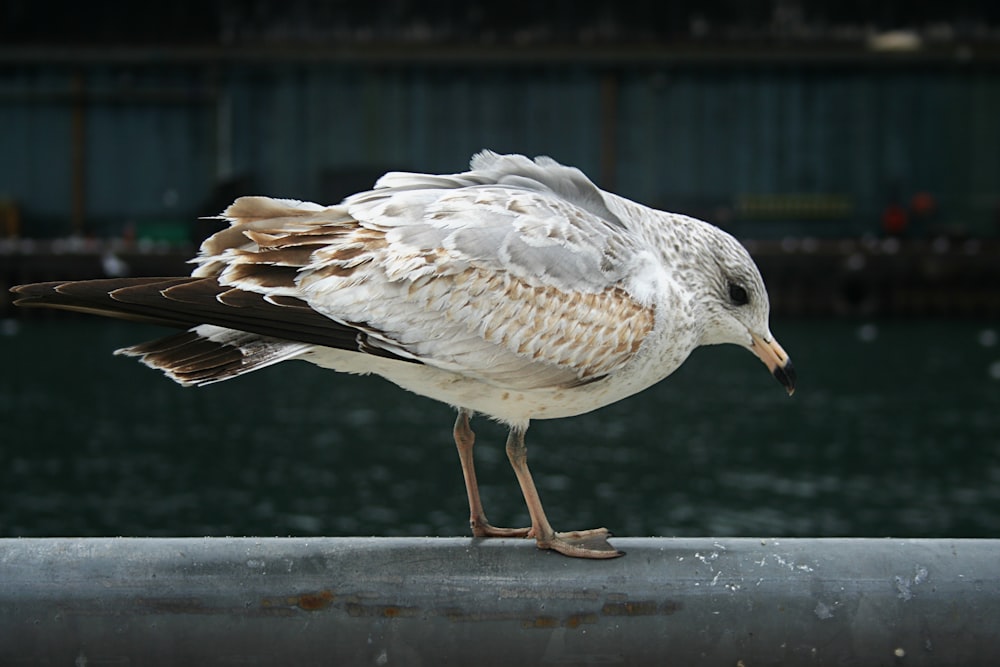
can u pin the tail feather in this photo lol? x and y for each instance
(255, 319)
(94, 297)
(230, 331)
(186, 302)
(208, 354)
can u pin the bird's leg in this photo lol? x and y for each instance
(464, 440)
(580, 544)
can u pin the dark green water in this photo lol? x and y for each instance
(895, 430)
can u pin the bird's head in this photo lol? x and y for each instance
(737, 306)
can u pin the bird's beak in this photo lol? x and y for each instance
(776, 360)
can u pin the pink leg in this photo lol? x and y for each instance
(579, 544)
(464, 440)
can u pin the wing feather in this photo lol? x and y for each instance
(514, 284)
(516, 273)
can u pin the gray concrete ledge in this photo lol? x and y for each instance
(455, 601)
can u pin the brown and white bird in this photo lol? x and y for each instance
(517, 289)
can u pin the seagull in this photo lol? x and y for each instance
(517, 289)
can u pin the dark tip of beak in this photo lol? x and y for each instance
(786, 376)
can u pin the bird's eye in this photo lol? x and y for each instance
(738, 295)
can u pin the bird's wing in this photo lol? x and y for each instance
(517, 286)
(514, 273)
(503, 278)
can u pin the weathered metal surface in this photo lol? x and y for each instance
(434, 601)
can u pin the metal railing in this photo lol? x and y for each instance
(443, 601)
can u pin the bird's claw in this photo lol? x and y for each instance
(581, 544)
(483, 528)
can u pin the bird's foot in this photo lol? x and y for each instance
(581, 544)
(483, 528)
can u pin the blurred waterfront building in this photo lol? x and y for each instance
(771, 119)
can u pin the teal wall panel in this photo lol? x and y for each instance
(158, 139)
(700, 140)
